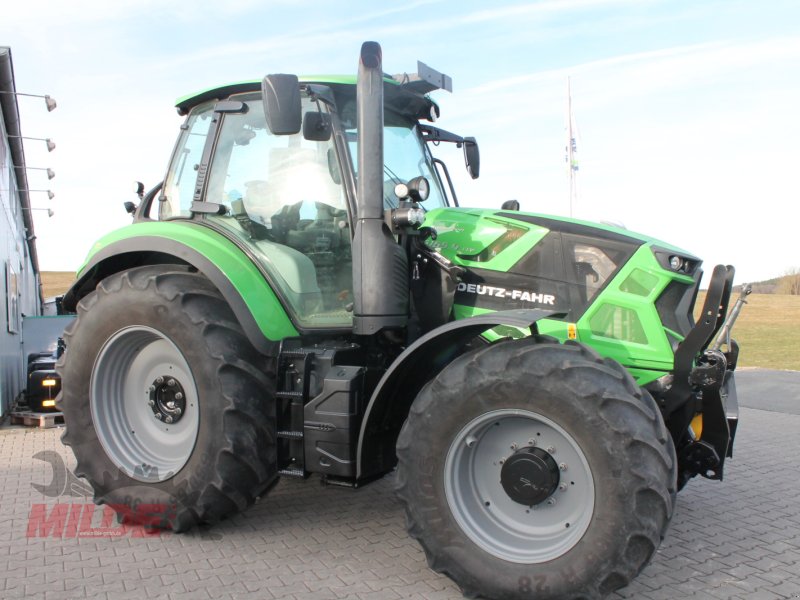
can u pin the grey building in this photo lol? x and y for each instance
(19, 265)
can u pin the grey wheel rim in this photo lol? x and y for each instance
(495, 522)
(125, 394)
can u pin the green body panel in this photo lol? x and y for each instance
(621, 322)
(654, 351)
(480, 238)
(460, 224)
(248, 281)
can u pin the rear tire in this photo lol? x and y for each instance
(578, 517)
(168, 408)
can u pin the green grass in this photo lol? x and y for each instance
(56, 283)
(768, 331)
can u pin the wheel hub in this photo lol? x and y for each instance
(530, 476)
(167, 399)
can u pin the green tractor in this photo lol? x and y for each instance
(302, 295)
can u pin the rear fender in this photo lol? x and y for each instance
(244, 288)
(419, 363)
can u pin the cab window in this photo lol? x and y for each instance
(180, 182)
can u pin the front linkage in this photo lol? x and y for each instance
(703, 384)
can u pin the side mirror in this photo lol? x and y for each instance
(510, 205)
(281, 97)
(472, 157)
(317, 127)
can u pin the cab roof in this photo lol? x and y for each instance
(400, 97)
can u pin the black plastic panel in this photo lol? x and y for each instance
(332, 422)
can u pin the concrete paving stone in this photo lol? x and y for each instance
(379, 595)
(765, 595)
(726, 591)
(59, 595)
(38, 589)
(160, 587)
(702, 595)
(711, 567)
(200, 594)
(448, 594)
(754, 583)
(778, 575)
(134, 594)
(790, 557)
(790, 588)
(741, 571)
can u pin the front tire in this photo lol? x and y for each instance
(168, 408)
(536, 470)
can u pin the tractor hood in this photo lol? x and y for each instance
(499, 239)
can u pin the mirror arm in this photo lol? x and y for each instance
(320, 93)
(434, 134)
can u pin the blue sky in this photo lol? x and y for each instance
(687, 111)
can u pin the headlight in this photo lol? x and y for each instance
(405, 217)
(676, 262)
(417, 189)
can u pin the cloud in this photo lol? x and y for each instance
(667, 67)
(539, 9)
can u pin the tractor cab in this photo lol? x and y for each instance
(289, 199)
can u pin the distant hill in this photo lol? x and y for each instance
(56, 283)
(787, 284)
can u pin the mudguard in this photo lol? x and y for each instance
(419, 363)
(241, 283)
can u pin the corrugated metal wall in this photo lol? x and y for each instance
(19, 276)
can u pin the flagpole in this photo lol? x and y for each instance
(572, 148)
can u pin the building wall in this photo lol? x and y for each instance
(18, 278)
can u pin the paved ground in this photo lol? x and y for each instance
(739, 539)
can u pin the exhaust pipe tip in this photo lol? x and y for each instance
(371, 55)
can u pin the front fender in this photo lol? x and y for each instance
(419, 363)
(240, 282)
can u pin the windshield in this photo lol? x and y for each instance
(405, 156)
(284, 198)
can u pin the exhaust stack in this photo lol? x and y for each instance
(380, 265)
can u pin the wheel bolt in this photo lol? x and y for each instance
(532, 441)
(168, 419)
(562, 486)
(159, 380)
(159, 416)
(514, 446)
(470, 441)
(501, 461)
(171, 383)
(151, 403)
(551, 501)
(563, 466)
(151, 389)
(178, 411)
(551, 450)
(178, 396)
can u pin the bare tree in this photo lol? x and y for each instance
(790, 282)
